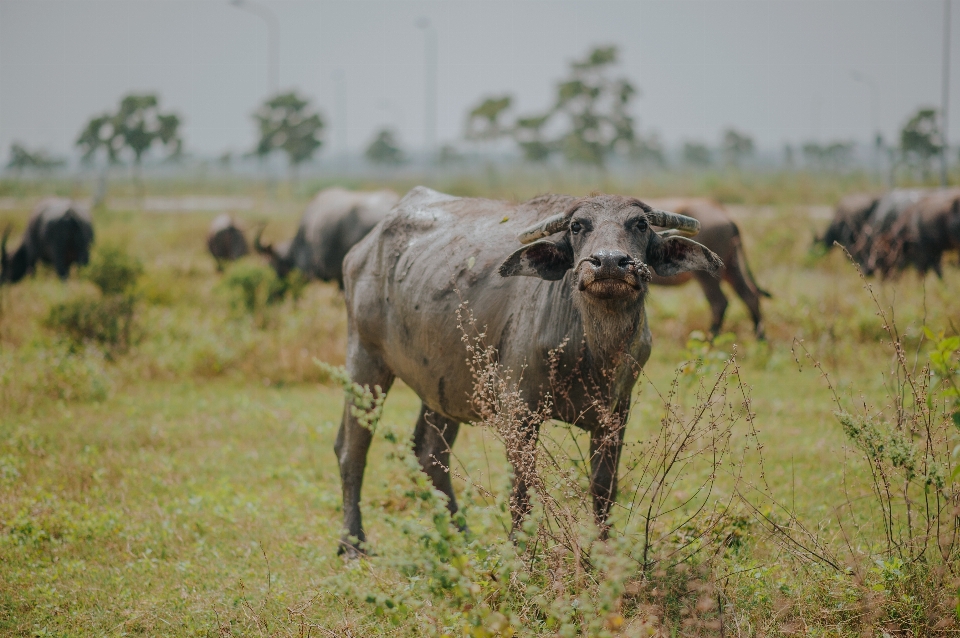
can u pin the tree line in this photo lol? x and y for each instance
(589, 122)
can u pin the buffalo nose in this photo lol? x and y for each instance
(611, 261)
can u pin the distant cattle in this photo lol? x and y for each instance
(849, 219)
(59, 232)
(225, 240)
(557, 284)
(333, 222)
(719, 233)
(921, 235)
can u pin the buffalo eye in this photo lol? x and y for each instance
(642, 225)
(576, 227)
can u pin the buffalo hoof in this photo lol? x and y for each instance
(352, 552)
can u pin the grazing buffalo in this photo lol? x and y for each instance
(720, 234)
(873, 244)
(564, 305)
(848, 221)
(334, 221)
(225, 240)
(925, 231)
(59, 232)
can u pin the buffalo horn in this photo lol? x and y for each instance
(258, 246)
(545, 228)
(686, 226)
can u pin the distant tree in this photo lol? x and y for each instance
(649, 150)
(828, 157)
(385, 149)
(789, 161)
(137, 126)
(696, 154)
(288, 123)
(21, 159)
(736, 147)
(921, 139)
(592, 110)
(483, 121)
(450, 155)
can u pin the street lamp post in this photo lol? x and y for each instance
(874, 108)
(945, 93)
(430, 87)
(273, 29)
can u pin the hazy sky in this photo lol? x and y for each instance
(778, 69)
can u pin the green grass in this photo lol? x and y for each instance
(190, 486)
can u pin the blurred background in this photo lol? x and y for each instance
(289, 93)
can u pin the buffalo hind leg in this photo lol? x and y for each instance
(748, 292)
(353, 442)
(606, 442)
(432, 440)
(716, 298)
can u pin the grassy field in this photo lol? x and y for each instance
(188, 486)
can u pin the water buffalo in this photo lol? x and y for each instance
(225, 240)
(848, 221)
(873, 244)
(59, 232)
(720, 234)
(334, 221)
(925, 231)
(574, 285)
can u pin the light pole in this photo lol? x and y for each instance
(429, 87)
(945, 93)
(340, 79)
(273, 29)
(874, 108)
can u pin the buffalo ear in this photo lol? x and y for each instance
(675, 255)
(543, 259)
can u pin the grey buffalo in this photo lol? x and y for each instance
(225, 240)
(333, 222)
(59, 232)
(574, 285)
(719, 233)
(850, 217)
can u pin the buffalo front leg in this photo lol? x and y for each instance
(353, 442)
(717, 300)
(606, 442)
(432, 439)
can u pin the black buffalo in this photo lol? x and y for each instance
(333, 222)
(225, 240)
(59, 232)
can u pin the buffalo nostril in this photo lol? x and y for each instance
(624, 262)
(595, 261)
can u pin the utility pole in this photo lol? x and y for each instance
(273, 47)
(430, 88)
(340, 80)
(945, 94)
(874, 110)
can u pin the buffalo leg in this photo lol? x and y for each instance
(60, 263)
(353, 442)
(750, 295)
(432, 439)
(605, 445)
(716, 298)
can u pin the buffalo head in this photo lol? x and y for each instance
(12, 268)
(279, 256)
(610, 244)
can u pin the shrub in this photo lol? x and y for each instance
(254, 288)
(113, 270)
(106, 321)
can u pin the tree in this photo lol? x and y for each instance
(21, 159)
(921, 139)
(696, 154)
(288, 123)
(830, 157)
(736, 147)
(385, 149)
(592, 108)
(483, 121)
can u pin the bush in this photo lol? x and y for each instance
(107, 321)
(255, 287)
(113, 270)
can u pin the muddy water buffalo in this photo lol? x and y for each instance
(225, 240)
(334, 221)
(59, 232)
(719, 233)
(925, 231)
(577, 276)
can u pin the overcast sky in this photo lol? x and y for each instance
(778, 69)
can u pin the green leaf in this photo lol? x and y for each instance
(956, 419)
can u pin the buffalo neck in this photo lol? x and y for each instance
(616, 335)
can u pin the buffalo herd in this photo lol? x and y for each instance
(557, 286)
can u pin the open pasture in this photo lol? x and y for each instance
(188, 486)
